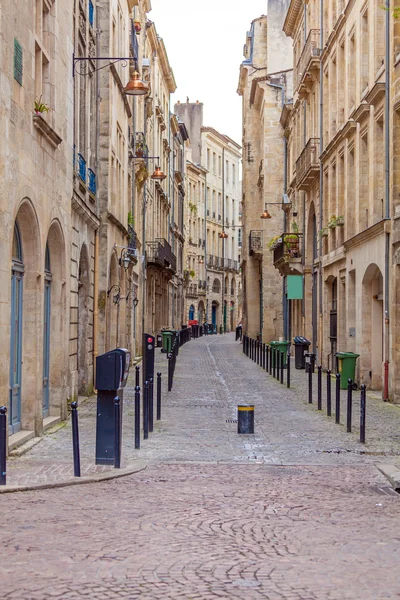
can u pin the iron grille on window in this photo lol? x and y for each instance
(82, 168)
(92, 182)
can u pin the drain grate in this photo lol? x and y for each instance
(231, 420)
(384, 490)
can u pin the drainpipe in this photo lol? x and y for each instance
(96, 233)
(205, 244)
(284, 295)
(303, 254)
(387, 201)
(321, 189)
(144, 236)
(223, 241)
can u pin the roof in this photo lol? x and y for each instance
(224, 138)
(291, 17)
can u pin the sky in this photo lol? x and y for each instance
(204, 41)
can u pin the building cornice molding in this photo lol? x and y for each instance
(366, 235)
(292, 16)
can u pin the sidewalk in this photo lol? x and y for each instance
(198, 422)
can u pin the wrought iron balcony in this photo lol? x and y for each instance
(230, 264)
(307, 165)
(82, 168)
(287, 254)
(132, 245)
(255, 244)
(92, 182)
(191, 289)
(308, 63)
(139, 146)
(160, 253)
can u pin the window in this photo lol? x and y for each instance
(18, 61)
(43, 31)
(227, 171)
(214, 163)
(233, 174)
(208, 158)
(219, 166)
(364, 75)
(240, 237)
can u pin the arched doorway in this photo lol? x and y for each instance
(17, 273)
(83, 321)
(214, 313)
(46, 334)
(371, 359)
(191, 313)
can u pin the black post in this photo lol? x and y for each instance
(363, 407)
(151, 404)
(170, 372)
(337, 408)
(319, 397)
(269, 355)
(146, 411)
(137, 375)
(158, 396)
(3, 445)
(75, 439)
(273, 363)
(137, 417)
(117, 432)
(309, 385)
(258, 352)
(328, 393)
(288, 370)
(349, 404)
(282, 364)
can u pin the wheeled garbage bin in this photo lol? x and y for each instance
(346, 366)
(301, 346)
(310, 362)
(283, 347)
(167, 340)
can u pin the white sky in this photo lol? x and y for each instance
(204, 41)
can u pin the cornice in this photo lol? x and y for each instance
(366, 235)
(292, 16)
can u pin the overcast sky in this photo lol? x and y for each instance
(204, 41)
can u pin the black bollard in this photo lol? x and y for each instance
(328, 393)
(158, 396)
(288, 370)
(273, 359)
(337, 407)
(137, 417)
(282, 364)
(75, 439)
(169, 372)
(151, 404)
(319, 388)
(146, 411)
(245, 418)
(3, 445)
(259, 354)
(269, 357)
(349, 404)
(363, 402)
(137, 375)
(310, 386)
(117, 433)
(264, 356)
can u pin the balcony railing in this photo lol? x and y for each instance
(255, 243)
(139, 145)
(92, 182)
(214, 262)
(82, 168)
(230, 264)
(287, 254)
(311, 53)
(307, 165)
(160, 253)
(191, 289)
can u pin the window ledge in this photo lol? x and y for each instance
(46, 130)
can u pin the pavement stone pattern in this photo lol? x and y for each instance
(297, 511)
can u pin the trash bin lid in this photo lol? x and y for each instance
(275, 343)
(346, 355)
(300, 340)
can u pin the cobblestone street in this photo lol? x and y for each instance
(298, 511)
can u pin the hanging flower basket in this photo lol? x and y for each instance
(340, 221)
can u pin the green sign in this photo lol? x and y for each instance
(294, 287)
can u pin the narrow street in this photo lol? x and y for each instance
(294, 512)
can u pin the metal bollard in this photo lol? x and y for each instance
(337, 407)
(137, 417)
(282, 364)
(117, 432)
(137, 375)
(158, 396)
(75, 439)
(246, 418)
(269, 356)
(146, 411)
(273, 359)
(363, 406)
(169, 372)
(288, 370)
(258, 353)
(319, 388)
(328, 394)
(349, 404)
(264, 355)
(151, 404)
(310, 386)
(3, 445)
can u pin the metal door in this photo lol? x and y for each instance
(15, 351)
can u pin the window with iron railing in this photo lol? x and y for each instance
(91, 182)
(82, 168)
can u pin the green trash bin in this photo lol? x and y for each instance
(282, 346)
(346, 366)
(167, 339)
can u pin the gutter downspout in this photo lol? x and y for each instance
(96, 233)
(387, 203)
(223, 242)
(303, 254)
(321, 192)
(144, 266)
(205, 245)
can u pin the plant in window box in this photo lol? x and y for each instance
(140, 149)
(274, 242)
(323, 232)
(340, 221)
(292, 244)
(41, 107)
(332, 222)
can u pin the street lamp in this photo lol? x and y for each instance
(134, 87)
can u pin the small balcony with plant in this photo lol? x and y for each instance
(287, 252)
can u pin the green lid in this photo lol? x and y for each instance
(346, 355)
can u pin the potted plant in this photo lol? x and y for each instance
(41, 107)
(137, 25)
(340, 221)
(274, 242)
(192, 274)
(140, 149)
(323, 232)
(332, 222)
(292, 244)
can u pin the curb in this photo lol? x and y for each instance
(98, 478)
(391, 472)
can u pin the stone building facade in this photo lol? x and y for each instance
(265, 82)
(36, 156)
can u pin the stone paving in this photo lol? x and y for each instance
(296, 512)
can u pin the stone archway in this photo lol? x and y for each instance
(84, 339)
(29, 408)
(372, 353)
(55, 307)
